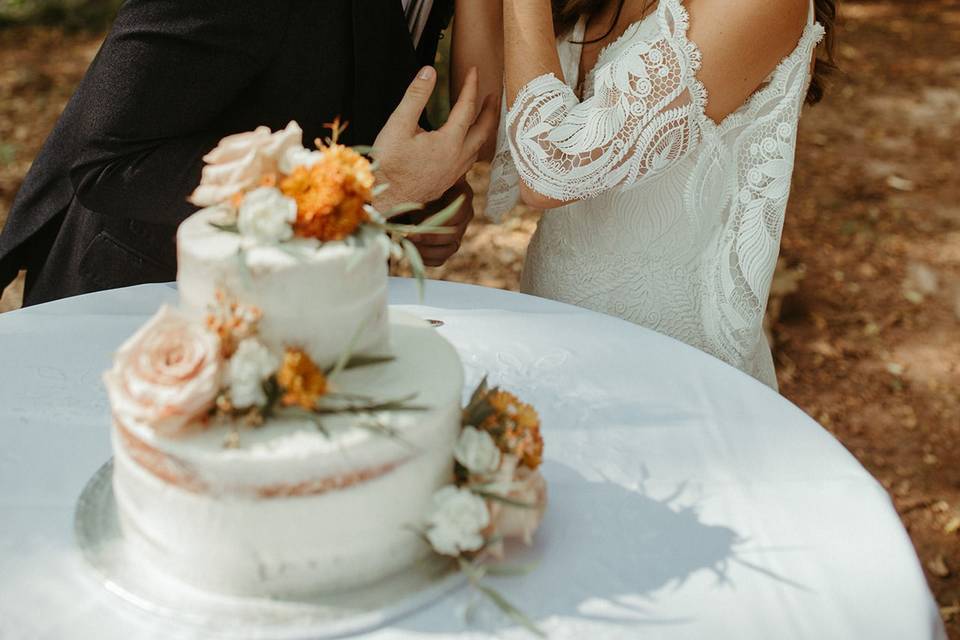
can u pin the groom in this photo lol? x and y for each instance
(101, 203)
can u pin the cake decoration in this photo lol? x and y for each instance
(498, 493)
(273, 189)
(282, 431)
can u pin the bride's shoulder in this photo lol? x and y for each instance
(741, 42)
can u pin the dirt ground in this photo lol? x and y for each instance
(866, 316)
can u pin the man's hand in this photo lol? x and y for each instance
(437, 248)
(420, 166)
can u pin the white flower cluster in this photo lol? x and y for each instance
(456, 521)
(461, 520)
(458, 517)
(248, 368)
(298, 156)
(267, 215)
(477, 451)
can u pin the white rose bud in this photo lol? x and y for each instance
(248, 368)
(456, 520)
(298, 157)
(477, 451)
(267, 215)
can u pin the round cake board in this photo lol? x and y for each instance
(115, 567)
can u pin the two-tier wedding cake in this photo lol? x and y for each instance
(281, 431)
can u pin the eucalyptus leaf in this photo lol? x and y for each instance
(496, 497)
(380, 188)
(303, 414)
(349, 396)
(347, 353)
(473, 571)
(512, 612)
(482, 390)
(357, 362)
(443, 216)
(228, 228)
(510, 569)
(363, 149)
(416, 265)
(399, 209)
(381, 429)
(398, 404)
(411, 229)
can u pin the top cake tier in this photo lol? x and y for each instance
(314, 296)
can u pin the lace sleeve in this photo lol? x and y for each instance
(644, 115)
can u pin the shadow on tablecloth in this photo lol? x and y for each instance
(605, 554)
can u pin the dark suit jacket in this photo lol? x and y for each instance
(101, 203)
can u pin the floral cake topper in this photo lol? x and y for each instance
(274, 190)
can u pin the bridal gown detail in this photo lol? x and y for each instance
(677, 220)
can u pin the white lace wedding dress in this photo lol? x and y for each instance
(677, 222)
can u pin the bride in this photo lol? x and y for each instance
(660, 140)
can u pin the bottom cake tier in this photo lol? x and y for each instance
(289, 507)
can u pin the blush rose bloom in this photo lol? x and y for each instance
(239, 162)
(167, 374)
(520, 484)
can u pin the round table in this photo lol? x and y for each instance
(687, 499)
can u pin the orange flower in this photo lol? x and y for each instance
(330, 194)
(515, 427)
(303, 383)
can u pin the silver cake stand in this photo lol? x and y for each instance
(101, 542)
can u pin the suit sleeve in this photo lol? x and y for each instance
(153, 99)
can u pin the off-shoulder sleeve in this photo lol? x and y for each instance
(645, 114)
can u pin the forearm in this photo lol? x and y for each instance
(530, 51)
(478, 42)
(530, 44)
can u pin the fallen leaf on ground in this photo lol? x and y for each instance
(938, 566)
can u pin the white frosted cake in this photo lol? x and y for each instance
(281, 431)
(291, 509)
(312, 296)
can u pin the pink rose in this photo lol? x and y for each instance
(239, 162)
(525, 486)
(168, 374)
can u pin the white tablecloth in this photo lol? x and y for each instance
(688, 501)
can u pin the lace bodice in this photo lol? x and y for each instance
(676, 222)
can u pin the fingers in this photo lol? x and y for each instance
(436, 256)
(408, 112)
(482, 130)
(464, 111)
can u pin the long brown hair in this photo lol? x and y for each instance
(567, 12)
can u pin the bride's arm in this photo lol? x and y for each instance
(478, 42)
(648, 103)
